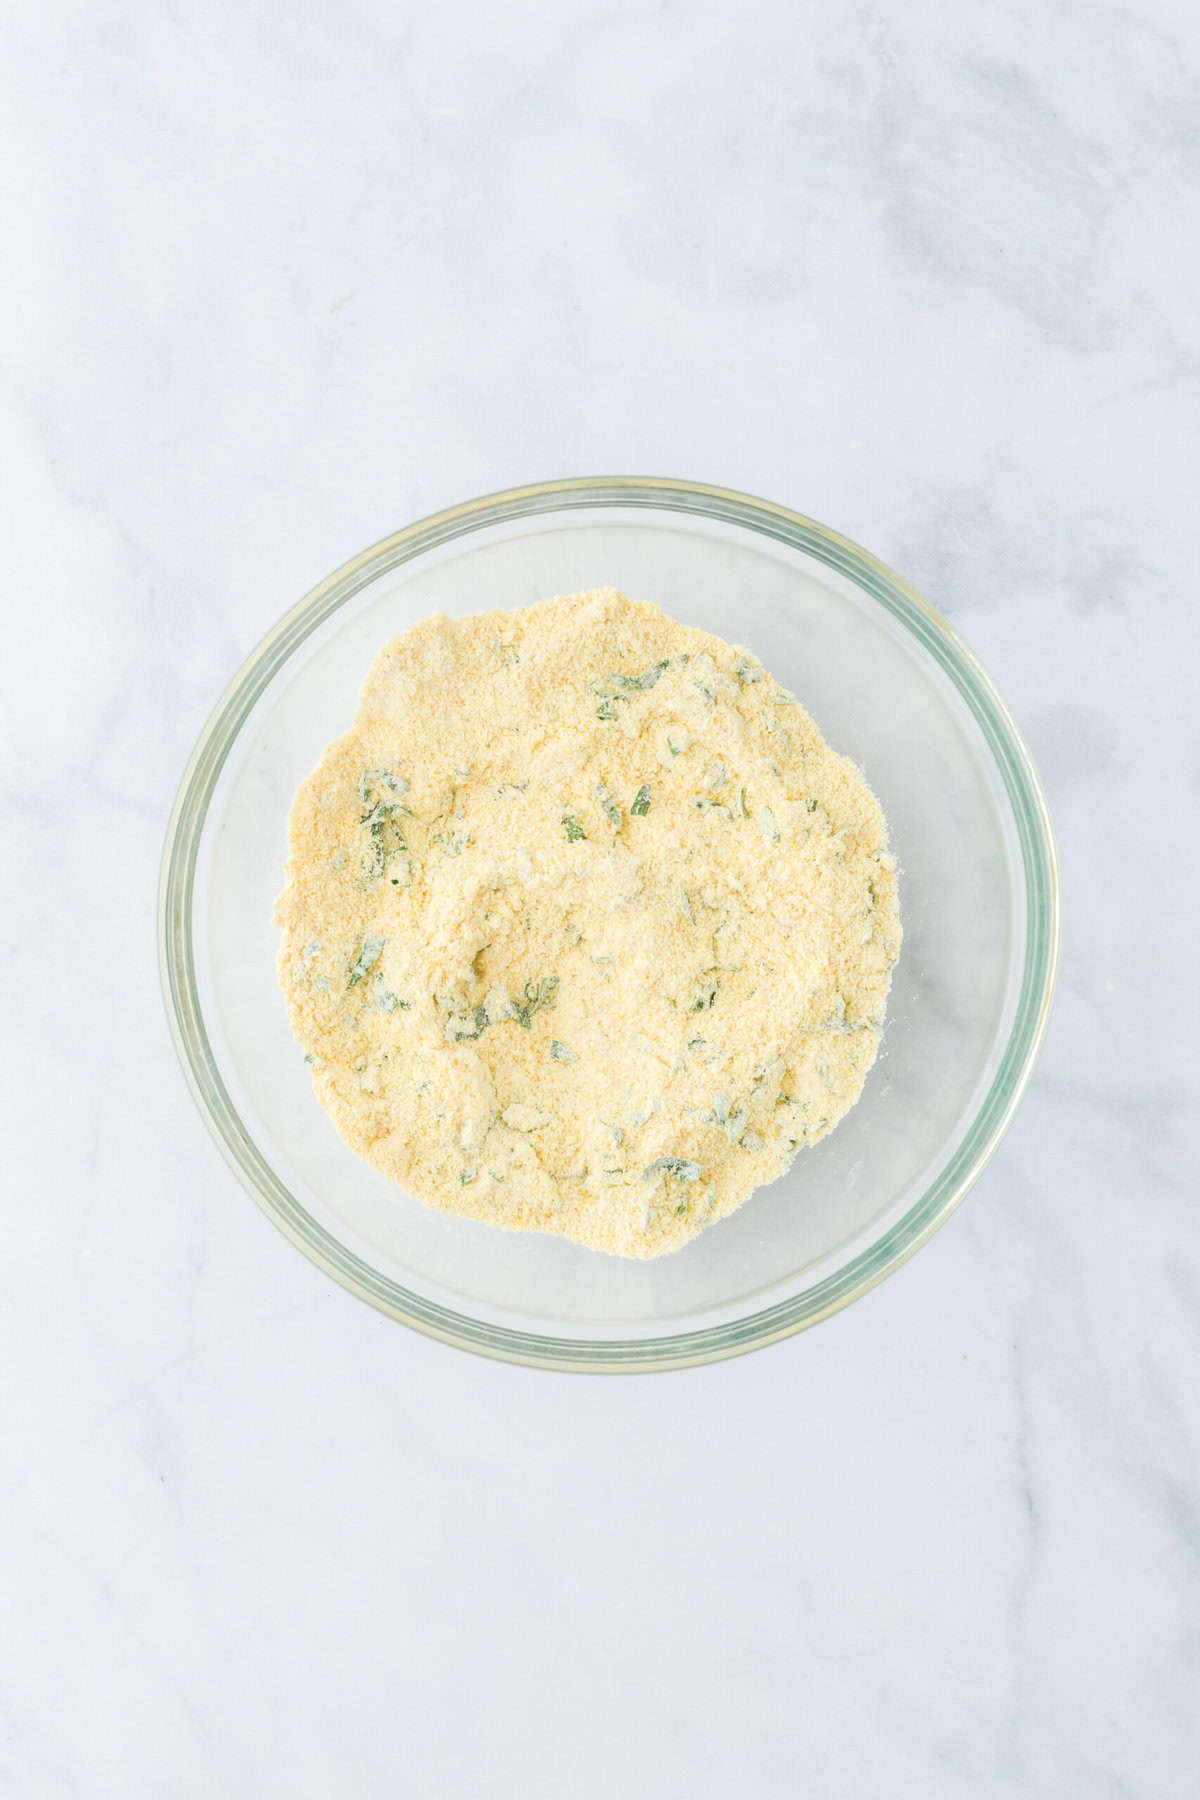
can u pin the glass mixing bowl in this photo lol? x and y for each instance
(889, 683)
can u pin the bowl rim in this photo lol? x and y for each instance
(993, 1113)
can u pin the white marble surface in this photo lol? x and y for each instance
(279, 280)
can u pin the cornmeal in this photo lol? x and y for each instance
(585, 928)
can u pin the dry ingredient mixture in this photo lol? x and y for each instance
(585, 928)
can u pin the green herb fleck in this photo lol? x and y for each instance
(734, 1126)
(608, 805)
(369, 952)
(387, 852)
(385, 1000)
(370, 779)
(561, 1053)
(573, 828)
(467, 1027)
(747, 671)
(539, 996)
(677, 1166)
(647, 678)
(641, 801)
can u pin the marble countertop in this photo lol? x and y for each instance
(278, 283)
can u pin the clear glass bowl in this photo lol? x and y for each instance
(889, 683)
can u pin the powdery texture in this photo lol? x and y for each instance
(585, 929)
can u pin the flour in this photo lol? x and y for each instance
(585, 929)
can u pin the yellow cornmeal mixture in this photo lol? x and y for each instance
(585, 928)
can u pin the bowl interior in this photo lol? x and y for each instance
(878, 693)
